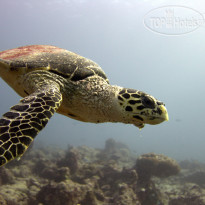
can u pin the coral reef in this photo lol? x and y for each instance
(110, 176)
(147, 166)
(158, 165)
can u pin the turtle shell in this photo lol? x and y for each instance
(59, 61)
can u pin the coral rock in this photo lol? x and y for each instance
(158, 165)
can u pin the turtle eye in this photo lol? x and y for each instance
(148, 102)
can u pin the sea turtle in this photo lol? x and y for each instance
(51, 79)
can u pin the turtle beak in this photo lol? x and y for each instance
(164, 115)
(160, 117)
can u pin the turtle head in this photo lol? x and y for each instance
(140, 108)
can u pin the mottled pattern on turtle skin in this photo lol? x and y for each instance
(21, 124)
(51, 79)
(142, 107)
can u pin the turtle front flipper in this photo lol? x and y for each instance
(21, 124)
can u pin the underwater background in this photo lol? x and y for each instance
(114, 34)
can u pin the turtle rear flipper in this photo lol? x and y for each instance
(21, 124)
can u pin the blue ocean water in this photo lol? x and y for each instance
(113, 34)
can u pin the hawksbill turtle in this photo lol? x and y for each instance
(51, 79)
